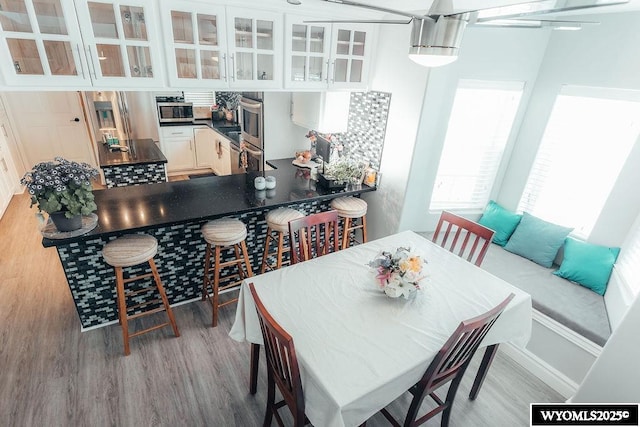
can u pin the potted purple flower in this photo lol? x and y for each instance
(62, 189)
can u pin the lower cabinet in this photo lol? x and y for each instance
(187, 147)
(222, 155)
(205, 147)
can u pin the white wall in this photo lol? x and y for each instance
(486, 54)
(282, 138)
(394, 72)
(615, 375)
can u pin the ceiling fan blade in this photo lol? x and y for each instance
(541, 7)
(378, 8)
(536, 23)
(359, 21)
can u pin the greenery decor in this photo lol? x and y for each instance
(345, 170)
(61, 186)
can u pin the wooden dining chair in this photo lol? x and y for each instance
(313, 236)
(282, 368)
(449, 365)
(463, 237)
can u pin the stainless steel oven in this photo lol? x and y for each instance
(252, 122)
(175, 112)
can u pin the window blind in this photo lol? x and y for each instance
(479, 127)
(583, 149)
(200, 98)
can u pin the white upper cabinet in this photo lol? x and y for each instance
(196, 46)
(307, 51)
(326, 56)
(54, 43)
(351, 51)
(255, 48)
(122, 43)
(41, 45)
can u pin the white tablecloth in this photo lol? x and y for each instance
(358, 349)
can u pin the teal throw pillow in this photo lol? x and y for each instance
(587, 264)
(537, 240)
(500, 220)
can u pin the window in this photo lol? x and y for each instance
(479, 126)
(628, 264)
(587, 139)
(201, 99)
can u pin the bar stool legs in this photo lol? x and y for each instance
(129, 251)
(349, 227)
(350, 209)
(277, 222)
(219, 234)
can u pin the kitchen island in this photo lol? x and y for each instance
(173, 213)
(143, 163)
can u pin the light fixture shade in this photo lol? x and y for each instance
(436, 42)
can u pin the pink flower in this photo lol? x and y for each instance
(383, 276)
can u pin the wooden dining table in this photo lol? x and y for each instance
(359, 349)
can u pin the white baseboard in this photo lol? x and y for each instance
(542, 370)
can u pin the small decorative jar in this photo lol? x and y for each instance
(260, 183)
(270, 182)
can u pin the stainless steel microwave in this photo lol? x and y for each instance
(175, 112)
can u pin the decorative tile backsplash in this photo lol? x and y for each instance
(121, 176)
(364, 138)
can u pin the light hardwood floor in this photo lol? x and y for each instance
(52, 374)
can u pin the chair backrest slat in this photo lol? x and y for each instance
(456, 353)
(451, 223)
(282, 362)
(313, 236)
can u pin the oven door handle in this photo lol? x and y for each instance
(251, 105)
(253, 152)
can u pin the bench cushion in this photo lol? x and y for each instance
(572, 305)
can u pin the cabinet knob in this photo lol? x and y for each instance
(75, 120)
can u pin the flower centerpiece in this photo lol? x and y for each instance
(399, 272)
(62, 189)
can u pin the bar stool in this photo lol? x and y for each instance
(219, 234)
(350, 209)
(128, 251)
(278, 222)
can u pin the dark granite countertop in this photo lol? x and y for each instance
(141, 151)
(131, 209)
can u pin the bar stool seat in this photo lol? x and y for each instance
(351, 208)
(219, 234)
(278, 222)
(128, 251)
(224, 232)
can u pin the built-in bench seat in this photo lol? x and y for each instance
(572, 305)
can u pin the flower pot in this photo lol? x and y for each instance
(63, 223)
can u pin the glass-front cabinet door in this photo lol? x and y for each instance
(307, 49)
(196, 45)
(350, 55)
(121, 42)
(41, 44)
(255, 48)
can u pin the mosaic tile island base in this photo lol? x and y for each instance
(173, 213)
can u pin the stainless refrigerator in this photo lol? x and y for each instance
(109, 115)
